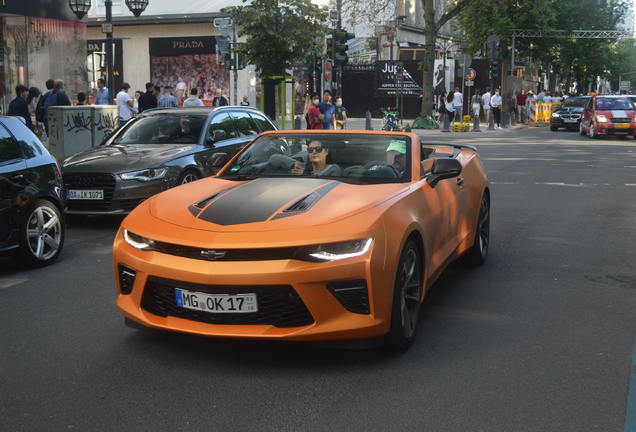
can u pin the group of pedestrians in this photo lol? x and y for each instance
(325, 114)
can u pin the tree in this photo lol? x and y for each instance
(279, 33)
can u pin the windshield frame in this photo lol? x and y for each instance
(196, 125)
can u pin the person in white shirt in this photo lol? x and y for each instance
(495, 103)
(486, 98)
(547, 98)
(125, 104)
(458, 104)
(193, 100)
(181, 90)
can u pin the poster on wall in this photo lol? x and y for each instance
(186, 63)
(443, 77)
(96, 62)
(387, 83)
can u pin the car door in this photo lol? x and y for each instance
(13, 173)
(587, 115)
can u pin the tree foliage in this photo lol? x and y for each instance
(279, 33)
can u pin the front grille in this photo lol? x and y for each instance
(621, 120)
(278, 305)
(89, 181)
(230, 255)
(571, 116)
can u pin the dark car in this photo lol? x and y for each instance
(568, 114)
(31, 197)
(156, 151)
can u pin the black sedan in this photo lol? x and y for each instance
(156, 151)
(568, 115)
(31, 197)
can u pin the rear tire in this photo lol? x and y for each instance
(41, 235)
(407, 293)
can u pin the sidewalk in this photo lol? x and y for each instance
(376, 124)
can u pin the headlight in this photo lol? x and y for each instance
(334, 251)
(138, 242)
(556, 114)
(145, 175)
(601, 118)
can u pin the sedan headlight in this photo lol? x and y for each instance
(334, 251)
(601, 118)
(138, 242)
(145, 175)
(556, 114)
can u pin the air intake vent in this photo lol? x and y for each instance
(352, 294)
(126, 278)
(205, 202)
(303, 204)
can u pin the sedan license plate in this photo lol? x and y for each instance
(216, 303)
(569, 120)
(621, 125)
(84, 194)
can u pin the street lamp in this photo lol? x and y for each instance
(81, 7)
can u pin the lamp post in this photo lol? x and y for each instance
(81, 7)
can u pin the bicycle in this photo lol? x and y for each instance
(391, 120)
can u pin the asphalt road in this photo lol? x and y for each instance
(538, 339)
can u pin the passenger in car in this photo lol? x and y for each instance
(396, 156)
(317, 155)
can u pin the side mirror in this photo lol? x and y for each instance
(444, 169)
(105, 138)
(216, 162)
(217, 135)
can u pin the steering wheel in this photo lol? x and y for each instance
(381, 169)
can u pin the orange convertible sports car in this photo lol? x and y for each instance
(305, 236)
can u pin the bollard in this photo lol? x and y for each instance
(446, 123)
(505, 117)
(476, 124)
(297, 123)
(407, 128)
(368, 124)
(491, 121)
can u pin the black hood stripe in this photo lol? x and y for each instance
(261, 199)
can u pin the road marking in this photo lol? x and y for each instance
(9, 282)
(630, 184)
(572, 185)
(630, 415)
(505, 183)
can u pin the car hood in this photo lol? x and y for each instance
(123, 158)
(267, 204)
(569, 110)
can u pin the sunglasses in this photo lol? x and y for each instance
(314, 149)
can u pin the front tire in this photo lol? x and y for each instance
(41, 235)
(581, 131)
(554, 128)
(593, 133)
(478, 252)
(188, 177)
(407, 293)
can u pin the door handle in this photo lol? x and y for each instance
(460, 181)
(16, 178)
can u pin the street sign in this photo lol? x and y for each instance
(470, 83)
(625, 85)
(465, 61)
(470, 75)
(327, 68)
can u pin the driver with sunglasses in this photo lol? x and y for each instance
(317, 155)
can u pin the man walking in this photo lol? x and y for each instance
(219, 100)
(486, 98)
(327, 109)
(148, 100)
(521, 106)
(193, 100)
(458, 104)
(167, 100)
(125, 104)
(19, 107)
(101, 98)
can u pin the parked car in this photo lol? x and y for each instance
(276, 247)
(606, 115)
(568, 114)
(31, 197)
(155, 151)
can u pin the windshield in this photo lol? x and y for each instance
(354, 158)
(607, 104)
(575, 102)
(162, 129)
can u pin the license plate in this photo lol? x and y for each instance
(569, 120)
(85, 194)
(621, 125)
(216, 303)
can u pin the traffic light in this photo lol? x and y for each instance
(330, 48)
(493, 68)
(340, 45)
(318, 67)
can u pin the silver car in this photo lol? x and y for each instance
(156, 151)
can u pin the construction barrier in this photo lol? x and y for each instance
(541, 112)
(468, 119)
(461, 127)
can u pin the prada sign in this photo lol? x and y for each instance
(182, 45)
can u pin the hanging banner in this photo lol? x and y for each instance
(387, 83)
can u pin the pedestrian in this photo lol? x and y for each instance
(81, 98)
(245, 102)
(193, 100)
(32, 100)
(167, 100)
(340, 114)
(476, 103)
(458, 104)
(219, 99)
(56, 97)
(521, 106)
(316, 118)
(540, 96)
(495, 103)
(529, 101)
(148, 100)
(327, 109)
(101, 98)
(548, 97)
(136, 100)
(486, 98)
(181, 89)
(19, 106)
(125, 104)
(450, 108)
(441, 110)
(39, 109)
